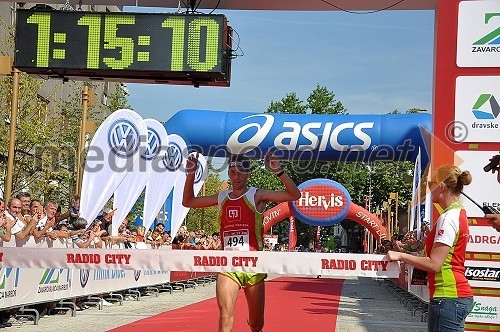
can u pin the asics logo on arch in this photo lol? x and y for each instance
(296, 136)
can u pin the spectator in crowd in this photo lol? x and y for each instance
(160, 227)
(167, 239)
(46, 223)
(140, 239)
(82, 239)
(36, 207)
(74, 209)
(141, 232)
(63, 232)
(252, 203)
(5, 225)
(107, 219)
(22, 227)
(25, 199)
(450, 293)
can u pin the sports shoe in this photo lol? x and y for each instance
(106, 303)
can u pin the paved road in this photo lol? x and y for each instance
(365, 305)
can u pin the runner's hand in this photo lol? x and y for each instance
(271, 162)
(192, 163)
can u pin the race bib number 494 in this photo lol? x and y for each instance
(236, 240)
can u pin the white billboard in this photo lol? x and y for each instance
(477, 110)
(484, 188)
(478, 40)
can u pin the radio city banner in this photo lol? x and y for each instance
(287, 263)
(324, 202)
(299, 136)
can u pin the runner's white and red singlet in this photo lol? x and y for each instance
(240, 223)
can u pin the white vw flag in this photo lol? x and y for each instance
(114, 149)
(179, 211)
(133, 184)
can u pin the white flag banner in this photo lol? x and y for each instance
(415, 199)
(157, 190)
(136, 179)
(175, 162)
(428, 209)
(114, 149)
(179, 211)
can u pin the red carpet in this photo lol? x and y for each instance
(292, 304)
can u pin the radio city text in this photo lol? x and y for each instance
(223, 261)
(350, 264)
(96, 258)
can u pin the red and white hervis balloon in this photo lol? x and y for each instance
(323, 202)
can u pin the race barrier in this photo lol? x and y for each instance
(22, 286)
(282, 263)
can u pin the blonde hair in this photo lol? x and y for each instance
(141, 230)
(453, 177)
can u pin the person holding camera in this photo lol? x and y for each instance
(494, 166)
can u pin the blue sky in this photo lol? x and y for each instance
(373, 63)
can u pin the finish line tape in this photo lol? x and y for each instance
(282, 263)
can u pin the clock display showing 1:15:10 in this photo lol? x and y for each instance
(120, 41)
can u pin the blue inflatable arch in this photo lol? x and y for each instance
(389, 137)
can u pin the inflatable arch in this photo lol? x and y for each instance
(355, 213)
(390, 137)
(303, 136)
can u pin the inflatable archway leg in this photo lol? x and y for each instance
(276, 214)
(368, 220)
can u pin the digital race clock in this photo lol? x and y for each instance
(137, 47)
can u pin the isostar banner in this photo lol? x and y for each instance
(287, 263)
(299, 136)
(156, 190)
(133, 184)
(113, 151)
(179, 211)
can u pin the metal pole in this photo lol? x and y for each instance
(12, 142)
(81, 144)
(397, 203)
(203, 193)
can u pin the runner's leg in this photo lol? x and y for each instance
(256, 298)
(226, 291)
